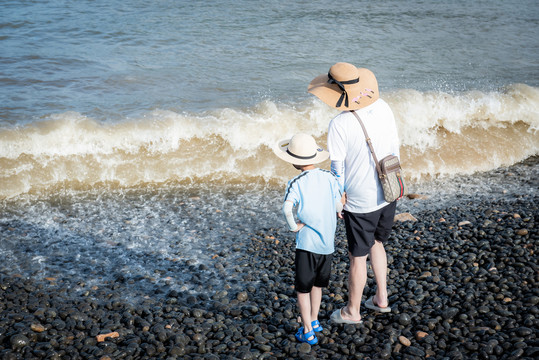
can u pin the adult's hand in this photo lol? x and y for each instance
(343, 198)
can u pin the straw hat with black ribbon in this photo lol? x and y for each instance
(301, 149)
(346, 87)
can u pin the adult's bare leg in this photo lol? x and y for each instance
(357, 278)
(379, 267)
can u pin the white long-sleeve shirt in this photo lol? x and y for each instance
(350, 156)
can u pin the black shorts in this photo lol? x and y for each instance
(312, 270)
(363, 229)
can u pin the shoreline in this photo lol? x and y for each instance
(462, 282)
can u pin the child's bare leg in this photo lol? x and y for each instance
(316, 299)
(304, 303)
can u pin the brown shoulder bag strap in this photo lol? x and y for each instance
(368, 139)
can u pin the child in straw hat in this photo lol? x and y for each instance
(317, 196)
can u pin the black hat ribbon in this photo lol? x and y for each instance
(341, 84)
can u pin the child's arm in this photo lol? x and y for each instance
(339, 203)
(289, 217)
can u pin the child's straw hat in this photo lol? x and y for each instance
(301, 149)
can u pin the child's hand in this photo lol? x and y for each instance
(300, 226)
(340, 207)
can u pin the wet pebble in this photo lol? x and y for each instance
(404, 319)
(37, 328)
(242, 296)
(19, 341)
(404, 341)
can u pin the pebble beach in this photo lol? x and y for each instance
(462, 282)
(140, 199)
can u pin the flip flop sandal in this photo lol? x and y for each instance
(316, 326)
(369, 304)
(337, 318)
(302, 337)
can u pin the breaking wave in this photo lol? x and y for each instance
(441, 134)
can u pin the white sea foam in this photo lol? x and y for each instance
(441, 134)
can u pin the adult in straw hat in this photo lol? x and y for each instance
(368, 217)
(317, 196)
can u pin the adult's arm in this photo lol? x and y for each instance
(337, 168)
(337, 150)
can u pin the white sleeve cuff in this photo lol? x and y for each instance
(338, 205)
(289, 215)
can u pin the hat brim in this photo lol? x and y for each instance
(281, 148)
(360, 95)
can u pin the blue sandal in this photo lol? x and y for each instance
(302, 337)
(316, 326)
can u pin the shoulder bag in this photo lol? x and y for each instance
(389, 171)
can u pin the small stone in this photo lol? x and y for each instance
(304, 348)
(479, 328)
(516, 354)
(430, 354)
(417, 196)
(197, 313)
(534, 300)
(242, 296)
(404, 217)
(264, 347)
(102, 337)
(19, 341)
(420, 335)
(516, 216)
(260, 339)
(450, 313)
(37, 328)
(465, 222)
(522, 232)
(412, 350)
(524, 331)
(404, 319)
(404, 341)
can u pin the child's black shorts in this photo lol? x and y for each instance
(312, 270)
(363, 229)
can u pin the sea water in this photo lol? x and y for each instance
(137, 136)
